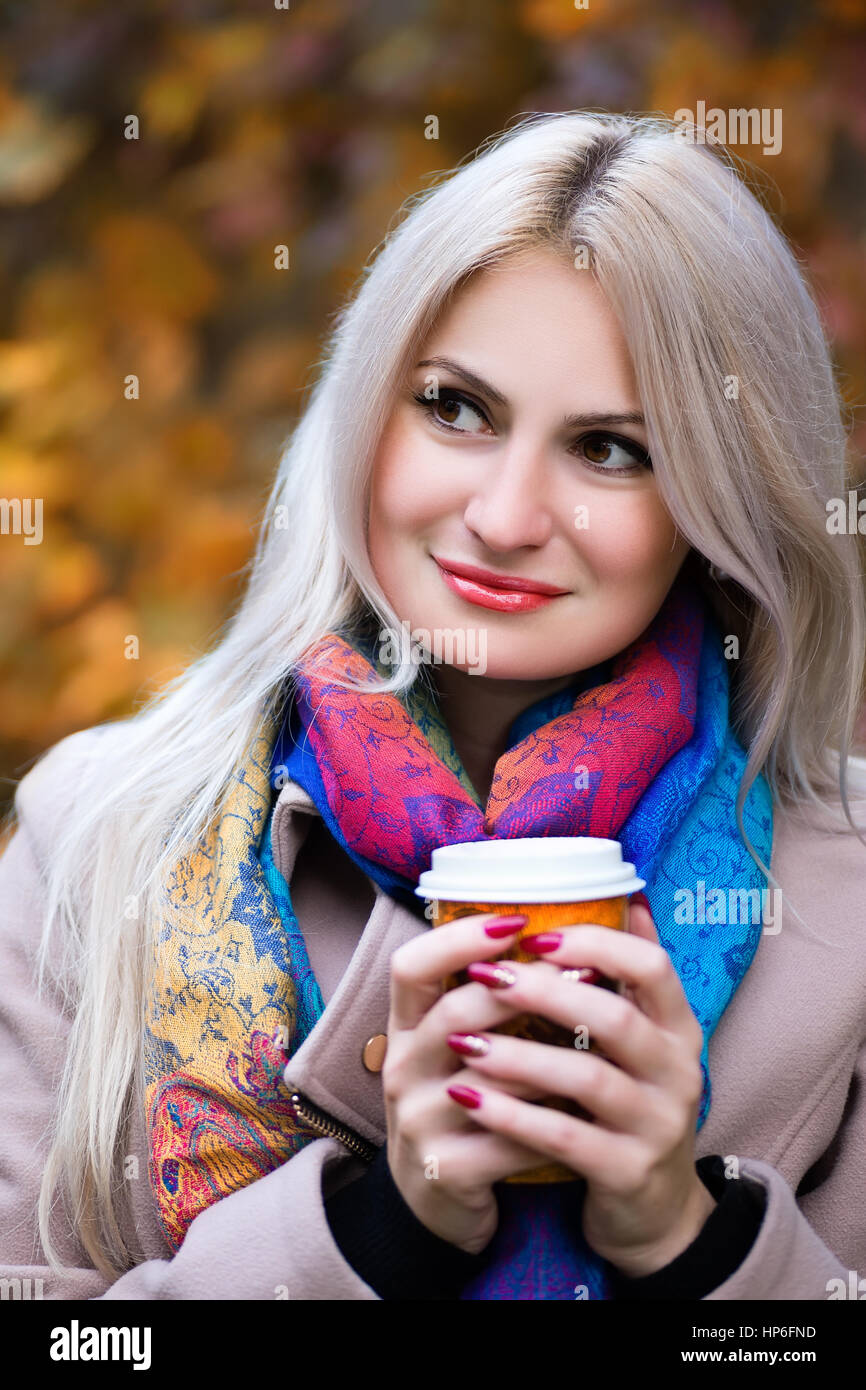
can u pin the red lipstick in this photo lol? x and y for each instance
(506, 593)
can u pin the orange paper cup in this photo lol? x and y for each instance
(577, 865)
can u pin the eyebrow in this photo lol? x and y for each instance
(631, 417)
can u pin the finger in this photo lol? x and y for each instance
(419, 966)
(598, 1018)
(524, 1090)
(604, 1090)
(590, 1150)
(422, 1053)
(643, 965)
(460, 1138)
(640, 923)
(478, 1157)
(428, 1110)
(540, 990)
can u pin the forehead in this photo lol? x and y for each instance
(534, 321)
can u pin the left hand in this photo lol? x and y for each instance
(644, 1200)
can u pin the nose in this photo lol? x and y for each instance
(509, 507)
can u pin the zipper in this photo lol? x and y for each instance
(327, 1126)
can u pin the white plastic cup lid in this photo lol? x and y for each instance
(546, 869)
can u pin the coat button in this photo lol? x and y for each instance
(374, 1052)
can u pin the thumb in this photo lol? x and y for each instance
(640, 918)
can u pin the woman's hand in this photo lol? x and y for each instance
(644, 1202)
(442, 1163)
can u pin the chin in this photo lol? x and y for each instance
(506, 666)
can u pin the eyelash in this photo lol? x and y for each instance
(641, 457)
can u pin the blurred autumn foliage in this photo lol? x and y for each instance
(155, 256)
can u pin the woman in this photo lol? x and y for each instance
(574, 439)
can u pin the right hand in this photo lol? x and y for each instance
(426, 1130)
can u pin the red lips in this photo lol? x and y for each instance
(512, 582)
(500, 592)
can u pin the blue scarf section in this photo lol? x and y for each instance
(683, 839)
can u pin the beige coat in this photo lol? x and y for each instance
(787, 1060)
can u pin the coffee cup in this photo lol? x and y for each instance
(554, 881)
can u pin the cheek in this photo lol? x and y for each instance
(406, 489)
(402, 505)
(396, 504)
(631, 538)
(390, 505)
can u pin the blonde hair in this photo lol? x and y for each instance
(708, 293)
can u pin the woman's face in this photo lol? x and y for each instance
(500, 474)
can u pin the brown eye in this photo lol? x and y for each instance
(446, 409)
(608, 454)
(597, 450)
(449, 409)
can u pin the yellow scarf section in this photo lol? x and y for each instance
(222, 1009)
(222, 1014)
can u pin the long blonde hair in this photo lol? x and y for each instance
(746, 432)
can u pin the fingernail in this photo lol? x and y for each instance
(584, 975)
(468, 1044)
(495, 976)
(643, 900)
(544, 942)
(506, 926)
(464, 1095)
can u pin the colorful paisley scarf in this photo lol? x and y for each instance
(647, 740)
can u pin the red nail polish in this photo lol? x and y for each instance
(506, 926)
(468, 1044)
(542, 943)
(643, 900)
(586, 975)
(464, 1095)
(494, 976)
